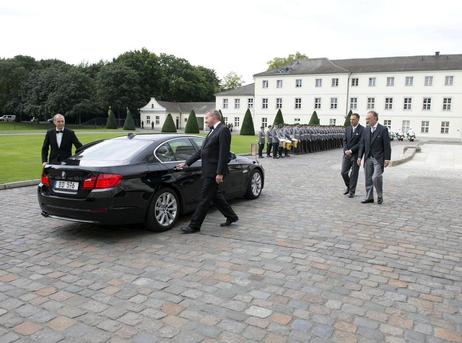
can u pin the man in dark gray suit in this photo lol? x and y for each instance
(376, 149)
(269, 141)
(215, 155)
(351, 142)
(261, 141)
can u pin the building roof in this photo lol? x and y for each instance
(244, 90)
(178, 107)
(369, 65)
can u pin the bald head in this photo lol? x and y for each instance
(58, 120)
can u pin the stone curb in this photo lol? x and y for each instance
(18, 184)
(408, 155)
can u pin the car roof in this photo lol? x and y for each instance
(155, 137)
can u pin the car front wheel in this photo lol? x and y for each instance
(255, 185)
(163, 210)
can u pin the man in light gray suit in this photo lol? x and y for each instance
(261, 141)
(376, 149)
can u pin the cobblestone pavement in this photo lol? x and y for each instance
(304, 264)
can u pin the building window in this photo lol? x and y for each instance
(264, 103)
(298, 83)
(372, 82)
(333, 103)
(409, 81)
(264, 122)
(388, 103)
(447, 104)
(237, 103)
(444, 127)
(370, 103)
(148, 120)
(318, 83)
(250, 102)
(225, 119)
(297, 120)
(353, 103)
(279, 84)
(152, 105)
(332, 122)
(354, 82)
(405, 126)
(387, 124)
(429, 81)
(264, 84)
(425, 126)
(225, 103)
(334, 82)
(407, 104)
(185, 120)
(449, 80)
(427, 104)
(278, 103)
(317, 102)
(157, 120)
(298, 103)
(390, 81)
(236, 121)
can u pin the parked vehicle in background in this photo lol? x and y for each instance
(7, 117)
(410, 135)
(399, 135)
(392, 135)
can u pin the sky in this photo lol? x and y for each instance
(238, 35)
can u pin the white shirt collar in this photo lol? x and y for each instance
(354, 127)
(375, 126)
(216, 124)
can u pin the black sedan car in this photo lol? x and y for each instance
(133, 179)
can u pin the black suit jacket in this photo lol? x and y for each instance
(215, 152)
(59, 154)
(352, 141)
(376, 145)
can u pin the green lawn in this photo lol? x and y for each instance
(20, 155)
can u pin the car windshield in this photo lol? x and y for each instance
(114, 150)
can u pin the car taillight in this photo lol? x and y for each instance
(45, 181)
(102, 181)
(89, 183)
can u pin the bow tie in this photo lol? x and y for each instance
(211, 127)
(58, 131)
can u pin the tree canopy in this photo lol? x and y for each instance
(279, 62)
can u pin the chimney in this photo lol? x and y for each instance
(437, 53)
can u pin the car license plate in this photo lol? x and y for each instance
(66, 186)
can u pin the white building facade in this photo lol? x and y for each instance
(154, 113)
(419, 92)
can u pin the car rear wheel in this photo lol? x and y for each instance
(163, 210)
(255, 185)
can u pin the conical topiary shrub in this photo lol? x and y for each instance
(247, 128)
(314, 119)
(129, 123)
(191, 125)
(347, 119)
(278, 119)
(169, 125)
(222, 119)
(111, 120)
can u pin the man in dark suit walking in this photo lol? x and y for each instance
(215, 155)
(376, 149)
(59, 140)
(351, 142)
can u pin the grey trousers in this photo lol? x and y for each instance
(350, 178)
(373, 171)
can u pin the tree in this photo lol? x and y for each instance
(347, 119)
(111, 120)
(278, 119)
(222, 119)
(231, 81)
(191, 125)
(247, 128)
(169, 125)
(129, 123)
(314, 119)
(279, 62)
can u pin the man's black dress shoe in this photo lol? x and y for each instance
(367, 201)
(229, 221)
(346, 191)
(351, 195)
(380, 201)
(189, 229)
